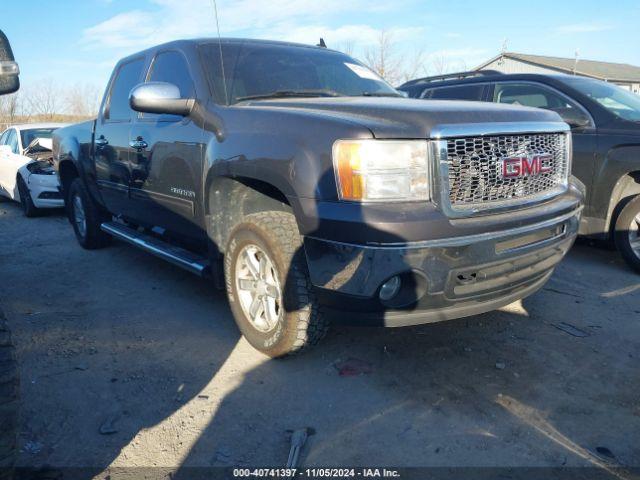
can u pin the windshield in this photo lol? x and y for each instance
(271, 70)
(31, 134)
(618, 101)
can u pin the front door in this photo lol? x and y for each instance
(165, 158)
(112, 139)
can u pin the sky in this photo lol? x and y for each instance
(73, 42)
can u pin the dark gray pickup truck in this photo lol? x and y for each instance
(310, 189)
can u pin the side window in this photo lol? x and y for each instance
(539, 96)
(458, 92)
(12, 140)
(171, 67)
(3, 137)
(128, 76)
(530, 96)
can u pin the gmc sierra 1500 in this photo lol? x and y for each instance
(306, 185)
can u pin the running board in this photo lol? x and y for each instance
(172, 254)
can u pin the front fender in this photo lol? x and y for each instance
(617, 178)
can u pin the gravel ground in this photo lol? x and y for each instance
(127, 361)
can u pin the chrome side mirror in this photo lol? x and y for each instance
(9, 71)
(160, 97)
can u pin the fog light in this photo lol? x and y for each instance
(390, 288)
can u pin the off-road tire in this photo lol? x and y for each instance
(28, 207)
(621, 234)
(93, 238)
(9, 402)
(300, 322)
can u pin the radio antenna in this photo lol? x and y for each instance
(224, 77)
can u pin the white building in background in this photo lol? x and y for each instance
(625, 75)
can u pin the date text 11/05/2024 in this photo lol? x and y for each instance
(316, 473)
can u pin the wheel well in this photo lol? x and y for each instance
(625, 190)
(231, 199)
(67, 172)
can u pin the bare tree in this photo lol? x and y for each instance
(82, 100)
(415, 66)
(439, 65)
(346, 47)
(44, 100)
(10, 109)
(382, 59)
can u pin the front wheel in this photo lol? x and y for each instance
(28, 207)
(627, 234)
(268, 285)
(86, 217)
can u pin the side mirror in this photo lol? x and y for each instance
(574, 117)
(9, 71)
(160, 97)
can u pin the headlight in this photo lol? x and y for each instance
(381, 170)
(41, 167)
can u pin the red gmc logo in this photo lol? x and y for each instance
(515, 167)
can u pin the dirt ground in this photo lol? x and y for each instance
(127, 361)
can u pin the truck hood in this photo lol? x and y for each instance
(408, 118)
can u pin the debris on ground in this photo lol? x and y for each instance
(352, 367)
(108, 426)
(501, 365)
(298, 439)
(605, 453)
(32, 447)
(571, 329)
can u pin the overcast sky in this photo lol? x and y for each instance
(72, 41)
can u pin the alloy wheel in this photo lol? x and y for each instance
(79, 216)
(258, 287)
(634, 235)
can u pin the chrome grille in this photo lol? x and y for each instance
(475, 169)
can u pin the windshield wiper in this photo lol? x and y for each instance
(291, 93)
(380, 94)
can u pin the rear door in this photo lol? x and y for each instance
(4, 165)
(532, 94)
(9, 163)
(166, 157)
(111, 140)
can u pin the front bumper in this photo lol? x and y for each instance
(442, 279)
(45, 191)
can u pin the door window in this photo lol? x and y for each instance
(458, 92)
(171, 67)
(12, 141)
(3, 137)
(128, 76)
(538, 96)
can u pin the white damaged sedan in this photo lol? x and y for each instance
(26, 172)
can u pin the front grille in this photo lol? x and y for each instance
(476, 169)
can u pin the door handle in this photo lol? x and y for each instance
(101, 141)
(138, 144)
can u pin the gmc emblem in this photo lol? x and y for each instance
(515, 167)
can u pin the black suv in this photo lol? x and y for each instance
(605, 122)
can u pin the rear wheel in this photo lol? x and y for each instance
(9, 402)
(86, 217)
(627, 234)
(268, 285)
(28, 207)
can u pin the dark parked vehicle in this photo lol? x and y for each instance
(310, 188)
(9, 383)
(605, 122)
